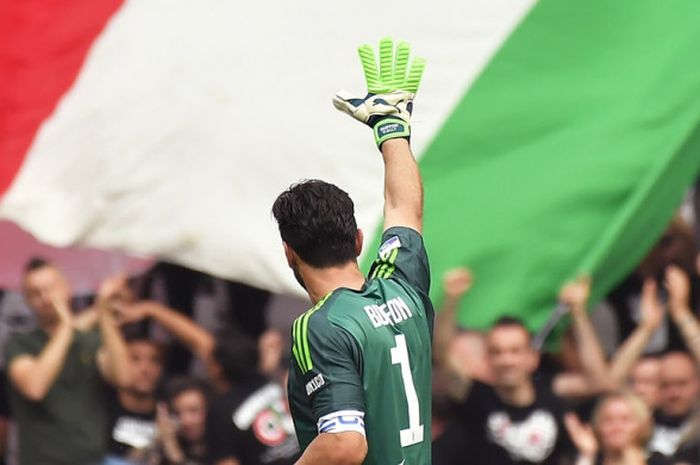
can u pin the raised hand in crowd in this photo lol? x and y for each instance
(583, 438)
(593, 377)
(63, 312)
(198, 340)
(652, 316)
(575, 294)
(167, 436)
(112, 294)
(113, 357)
(456, 284)
(678, 286)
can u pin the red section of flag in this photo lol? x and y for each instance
(43, 44)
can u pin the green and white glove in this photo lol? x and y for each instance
(388, 104)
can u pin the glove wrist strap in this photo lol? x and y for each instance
(391, 128)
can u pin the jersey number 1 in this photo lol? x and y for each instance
(399, 356)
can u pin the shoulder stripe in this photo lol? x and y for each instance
(295, 343)
(387, 269)
(300, 333)
(392, 259)
(375, 268)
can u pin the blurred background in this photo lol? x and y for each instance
(142, 143)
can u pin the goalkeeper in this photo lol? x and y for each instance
(360, 380)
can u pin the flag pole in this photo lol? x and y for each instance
(559, 311)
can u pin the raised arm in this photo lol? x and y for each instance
(403, 188)
(387, 110)
(456, 284)
(594, 377)
(628, 353)
(33, 376)
(583, 438)
(678, 286)
(197, 339)
(113, 357)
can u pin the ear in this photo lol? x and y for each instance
(291, 256)
(359, 240)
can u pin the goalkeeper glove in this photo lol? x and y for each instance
(388, 104)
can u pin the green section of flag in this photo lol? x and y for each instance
(569, 154)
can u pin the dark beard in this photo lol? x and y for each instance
(297, 275)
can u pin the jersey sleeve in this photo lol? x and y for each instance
(402, 256)
(330, 363)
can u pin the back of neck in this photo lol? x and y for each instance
(320, 282)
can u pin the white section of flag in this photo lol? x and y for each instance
(189, 118)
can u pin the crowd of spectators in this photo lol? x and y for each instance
(91, 382)
(497, 400)
(93, 385)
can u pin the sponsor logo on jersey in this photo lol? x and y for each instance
(313, 385)
(393, 311)
(390, 244)
(531, 440)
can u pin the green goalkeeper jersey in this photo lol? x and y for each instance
(362, 359)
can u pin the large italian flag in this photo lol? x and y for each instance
(554, 138)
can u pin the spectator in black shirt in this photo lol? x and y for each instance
(680, 387)
(132, 410)
(250, 424)
(688, 452)
(519, 419)
(450, 442)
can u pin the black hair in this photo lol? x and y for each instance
(511, 321)
(317, 220)
(238, 356)
(138, 336)
(181, 384)
(35, 263)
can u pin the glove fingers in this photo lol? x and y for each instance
(369, 66)
(386, 55)
(414, 75)
(400, 64)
